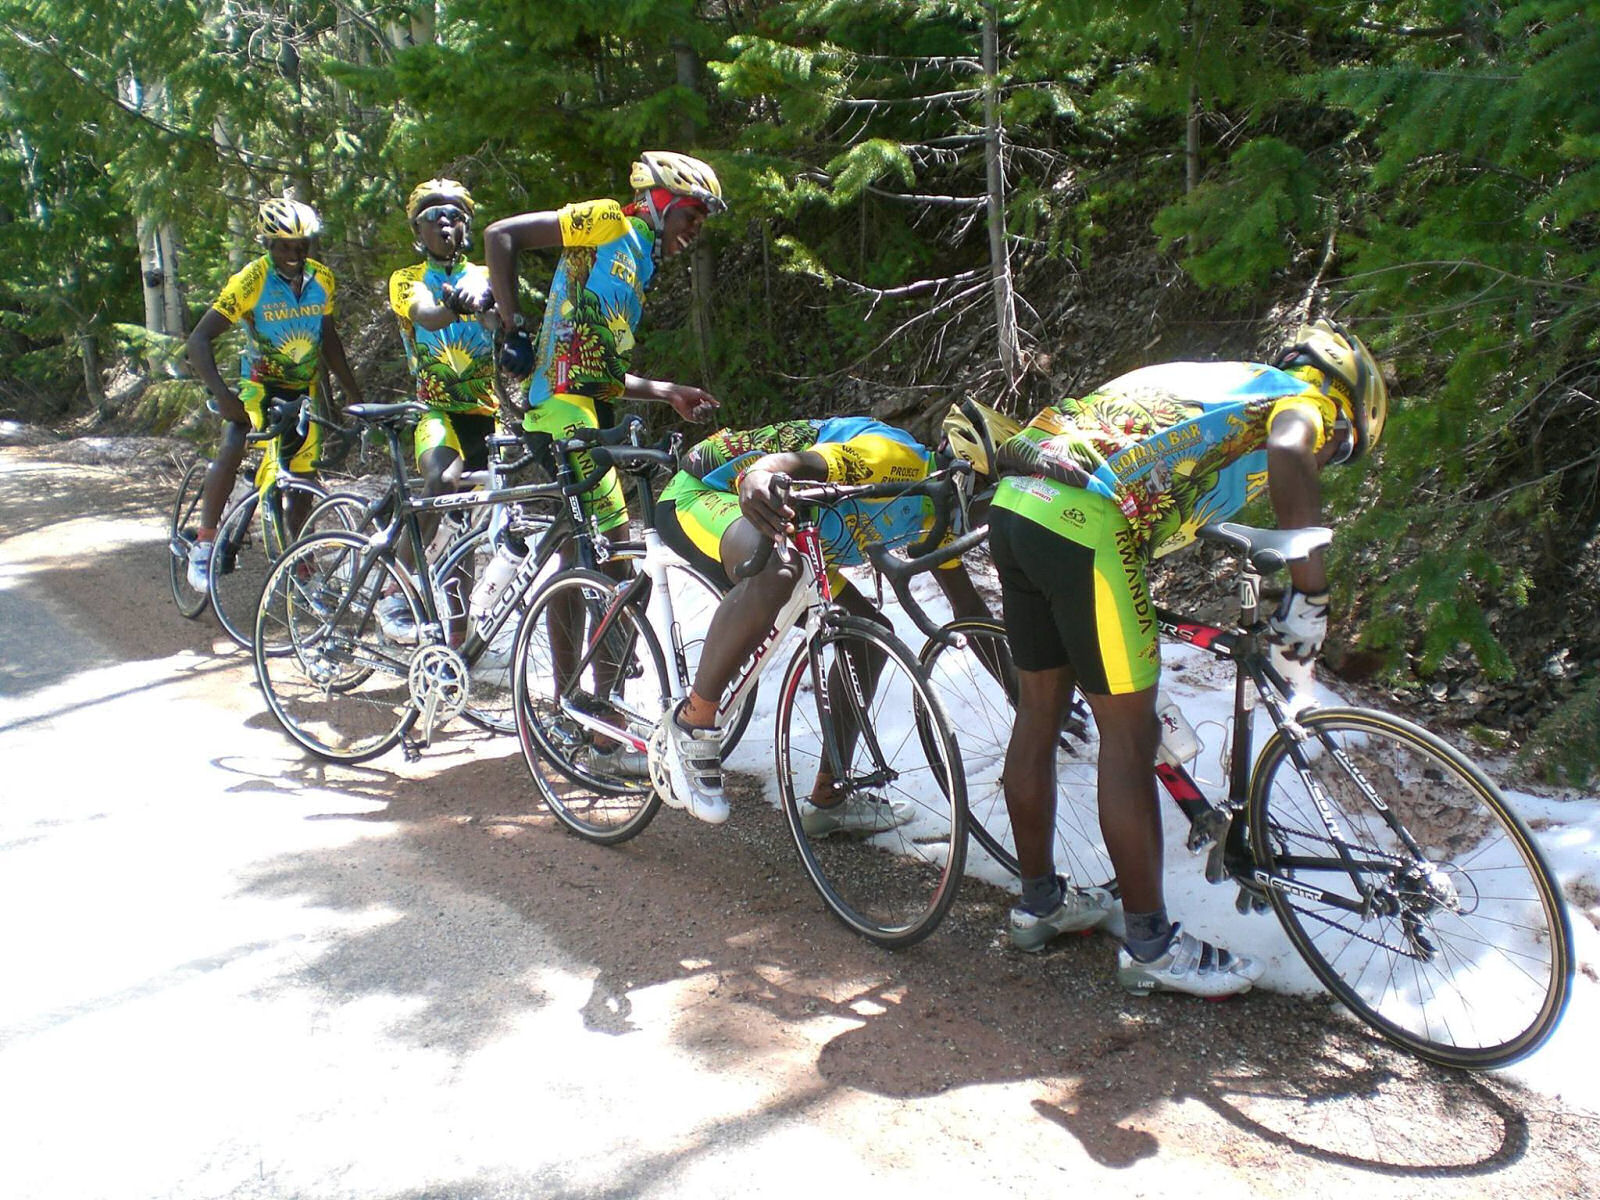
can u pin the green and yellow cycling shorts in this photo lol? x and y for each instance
(280, 454)
(560, 416)
(463, 432)
(1074, 592)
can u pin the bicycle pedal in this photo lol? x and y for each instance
(411, 749)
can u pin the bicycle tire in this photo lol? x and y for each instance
(339, 512)
(1466, 959)
(339, 689)
(181, 530)
(894, 886)
(977, 683)
(596, 794)
(245, 552)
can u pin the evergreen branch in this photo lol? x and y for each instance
(246, 159)
(958, 96)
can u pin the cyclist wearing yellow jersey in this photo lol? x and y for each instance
(609, 255)
(726, 503)
(1103, 484)
(285, 301)
(450, 353)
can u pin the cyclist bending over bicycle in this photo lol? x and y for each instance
(451, 356)
(1097, 487)
(728, 501)
(285, 300)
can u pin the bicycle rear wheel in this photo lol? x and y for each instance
(893, 877)
(181, 530)
(1446, 931)
(977, 683)
(336, 685)
(589, 687)
(247, 548)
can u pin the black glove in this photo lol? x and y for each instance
(516, 355)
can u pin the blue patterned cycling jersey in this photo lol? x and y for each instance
(283, 331)
(595, 305)
(856, 450)
(454, 366)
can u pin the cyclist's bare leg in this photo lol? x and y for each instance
(1043, 698)
(741, 622)
(221, 474)
(1130, 819)
(867, 671)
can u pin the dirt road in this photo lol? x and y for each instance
(229, 970)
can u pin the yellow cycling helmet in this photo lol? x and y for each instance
(280, 218)
(680, 175)
(1345, 361)
(974, 432)
(439, 191)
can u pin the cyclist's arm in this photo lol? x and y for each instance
(689, 402)
(764, 506)
(333, 356)
(502, 242)
(202, 357)
(1023, 455)
(1292, 480)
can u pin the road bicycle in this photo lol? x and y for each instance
(245, 547)
(853, 708)
(346, 691)
(1397, 869)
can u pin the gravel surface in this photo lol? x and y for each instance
(231, 970)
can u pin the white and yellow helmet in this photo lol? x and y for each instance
(1349, 366)
(974, 432)
(280, 218)
(439, 191)
(679, 174)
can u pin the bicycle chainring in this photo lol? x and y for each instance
(439, 684)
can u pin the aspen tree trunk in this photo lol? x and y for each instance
(1005, 306)
(702, 261)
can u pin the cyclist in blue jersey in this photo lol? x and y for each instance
(285, 301)
(1095, 488)
(725, 503)
(581, 362)
(451, 355)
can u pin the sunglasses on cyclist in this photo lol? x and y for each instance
(444, 214)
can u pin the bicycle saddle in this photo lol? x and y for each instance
(1268, 549)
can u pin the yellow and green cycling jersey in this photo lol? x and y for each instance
(283, 328)
(596, 301)
(1172, 447)
(453, 367)
(857, 450)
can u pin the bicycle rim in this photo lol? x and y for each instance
(181, 530)
(892, 886)
(977, 684)
(339, 688)
(587, 692)
(1465, 956)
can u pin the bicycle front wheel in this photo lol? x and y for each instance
(857, 722)
(589, 687)
(1411, 889)
(977, 683)
(181, 531)
(336, 685)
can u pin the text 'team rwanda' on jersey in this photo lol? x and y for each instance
(283, 331)
(596, 301)
(856, 449)
(454, 366)
(1174, 446)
